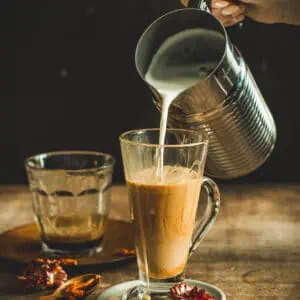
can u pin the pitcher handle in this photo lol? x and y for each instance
(210, 215)
(206, 6)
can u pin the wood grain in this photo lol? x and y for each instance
(252, 251)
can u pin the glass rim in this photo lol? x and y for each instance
(125, 140)
(42, 155)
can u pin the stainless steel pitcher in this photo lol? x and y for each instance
(227, 104)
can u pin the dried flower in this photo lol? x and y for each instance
(43, 273)
(79, 289)
(124, 252)
(68, 262)
(184, 291)
(180, 291)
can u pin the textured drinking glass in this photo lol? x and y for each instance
(71, 199)
(164, 203)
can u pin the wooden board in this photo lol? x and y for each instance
(22, 244)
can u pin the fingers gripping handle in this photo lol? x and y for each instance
(203, 5)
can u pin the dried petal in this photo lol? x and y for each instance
(42, 273)
(68, 262)
(124, 252)
(81, 289)
(184, 291)
(180, 290)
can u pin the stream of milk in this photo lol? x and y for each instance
(177, 66)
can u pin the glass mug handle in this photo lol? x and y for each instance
(211, 212)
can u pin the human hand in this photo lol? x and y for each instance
(265, 11)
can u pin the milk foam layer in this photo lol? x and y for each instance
(164, 216)
(171, 175)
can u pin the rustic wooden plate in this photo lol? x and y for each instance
(22, 244)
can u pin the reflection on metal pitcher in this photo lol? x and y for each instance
(216, 91)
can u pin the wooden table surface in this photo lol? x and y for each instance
(252, 252)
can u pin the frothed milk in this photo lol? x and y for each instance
(164, 215)
(178, 65)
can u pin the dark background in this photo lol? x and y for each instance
(68, 80)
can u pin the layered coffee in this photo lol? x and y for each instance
(164, 211)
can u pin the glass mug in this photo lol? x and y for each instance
(71, 200)
(164, 203)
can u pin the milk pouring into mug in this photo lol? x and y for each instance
(200, 81)
(172, 72)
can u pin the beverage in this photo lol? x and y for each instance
(164, 214)
(74, 232)
(70, 222)
(164, 199)
(164, 167)
(71, 195)
(164, 208)
(178, 64)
